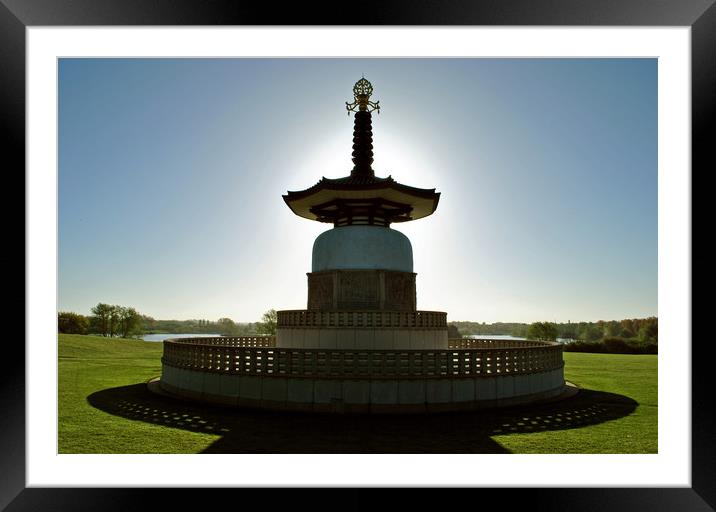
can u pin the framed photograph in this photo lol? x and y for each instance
(655, 63)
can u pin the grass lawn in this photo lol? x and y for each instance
(105, 407)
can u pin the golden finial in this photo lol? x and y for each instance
(361, 94)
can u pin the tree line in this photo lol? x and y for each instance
(108, 320)
(502, 328)
(120, 321)
(222, 326)
(644, 329)
(627, 336)
(630, 335)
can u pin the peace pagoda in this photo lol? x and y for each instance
(362, 269)
(361, 345)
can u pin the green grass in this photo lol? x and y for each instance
(105, 407)
(630, 376)
(88, 364)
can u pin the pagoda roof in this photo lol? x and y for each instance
(421, 202)
(361, 197)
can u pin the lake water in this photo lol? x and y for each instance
(495, 337)
(508, 337)
(162, 337)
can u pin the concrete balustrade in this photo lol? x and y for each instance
(362, 380)
(306, 318)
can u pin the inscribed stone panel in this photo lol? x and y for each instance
(320, 291)
(400, 291)
(358, 290)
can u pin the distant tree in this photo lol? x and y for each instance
(591, 332)
(568, 331)
(226, 326)
(626, 333)
(612, 329)
(544, 331)
(628, 328)
(72, 323)
(649, 333)
(102, 313)
(114, 320)
(111, 320)
(268, 323)
(602, 326)
(453, 331)
(148, 323)
(129, 321)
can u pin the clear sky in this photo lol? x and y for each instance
(171, 173)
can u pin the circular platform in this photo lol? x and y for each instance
(472, 374)
(569, 390)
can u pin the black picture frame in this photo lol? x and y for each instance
(17, 15)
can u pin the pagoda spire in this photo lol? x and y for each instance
(362, 129)
(362, 199)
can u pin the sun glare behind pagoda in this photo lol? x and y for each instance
(361, 345)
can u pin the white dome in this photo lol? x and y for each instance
(362, 247)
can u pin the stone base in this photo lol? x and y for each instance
(364, 396)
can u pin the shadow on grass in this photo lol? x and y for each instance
(245, 431)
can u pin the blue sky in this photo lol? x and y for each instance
(171, 173)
